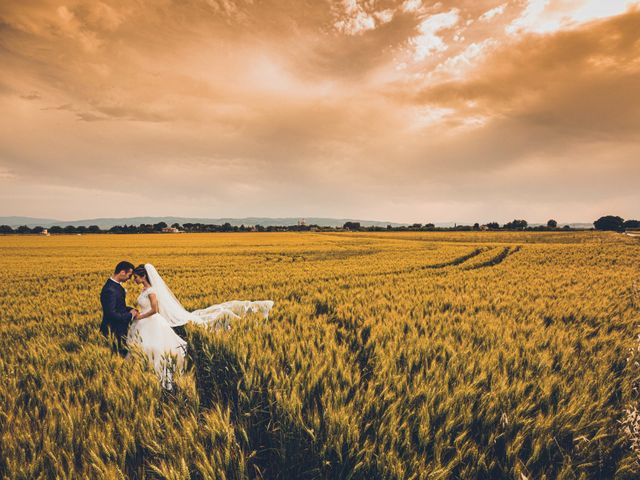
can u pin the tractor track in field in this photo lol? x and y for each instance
(456, 261)
(496, 260)
(435, 266)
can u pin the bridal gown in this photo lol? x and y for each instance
(158, 341)
(156, 336)
(222, 314)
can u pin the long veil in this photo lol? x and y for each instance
(218, 316)
(170, 308)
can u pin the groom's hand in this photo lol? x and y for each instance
(134, 313)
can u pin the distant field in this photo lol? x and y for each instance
(387, 355)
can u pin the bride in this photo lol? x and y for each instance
(160, 311)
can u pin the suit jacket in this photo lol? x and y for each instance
(116, 316)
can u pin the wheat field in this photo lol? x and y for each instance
(387, 355)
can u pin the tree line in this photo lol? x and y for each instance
(160, 227)
(606, 223)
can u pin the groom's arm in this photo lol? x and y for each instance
(110, 307)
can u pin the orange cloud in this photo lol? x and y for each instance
(405, 110)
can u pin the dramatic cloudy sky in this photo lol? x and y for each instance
(467, 110)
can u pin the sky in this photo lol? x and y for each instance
(398, 110)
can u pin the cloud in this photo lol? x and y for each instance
(557, 79)
(411, 5)
(570, 98)
(6, 174)
(428, 41)
(406, 110)
(458, 65)
(356, 20)
(31, 96)
(494, 12)
(544, 16)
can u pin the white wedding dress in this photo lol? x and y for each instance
(164, 348)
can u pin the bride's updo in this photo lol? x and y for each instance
(140, 271)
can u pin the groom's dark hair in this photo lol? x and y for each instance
(126, 266)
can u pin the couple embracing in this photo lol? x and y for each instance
(157, 325)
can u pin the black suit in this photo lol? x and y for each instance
(116, 316)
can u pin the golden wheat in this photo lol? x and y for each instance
(387, 355)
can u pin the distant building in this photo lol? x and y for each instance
(171, 230)
(45, 232)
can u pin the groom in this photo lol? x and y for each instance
(116, 316)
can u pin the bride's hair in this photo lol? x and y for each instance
(141, 271)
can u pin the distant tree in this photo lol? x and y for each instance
(516, 225)
(416, 226)
(157, 227)
(609, 223)
(37, 230)
(493, 225)
(351, 226)
(476, 226)
(552, 224)
(69, 229)
(94, 229)
(429, 226)
(6, 229)
(631, 224)
(56, 229)
(567, 227)
(23, 229)
(226, 227)
(81, 229)
(176, 225)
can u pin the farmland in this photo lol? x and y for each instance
(387, 355)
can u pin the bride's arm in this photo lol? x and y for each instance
(154, 307)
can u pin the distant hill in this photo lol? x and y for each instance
(264, 221)
(28, 221)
